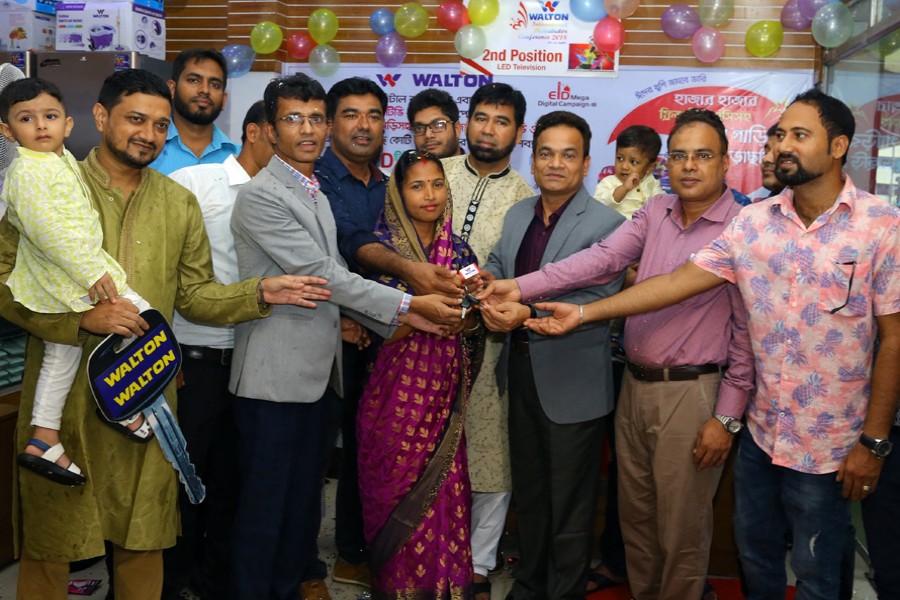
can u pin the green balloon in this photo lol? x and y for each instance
(764, 38)
(832, 25)
(323, 25)
(266, 37)
(324, 60)
(715, 13)
(411, 20)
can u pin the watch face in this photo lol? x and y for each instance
(883, 448)
(734, 426)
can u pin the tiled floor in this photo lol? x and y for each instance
(501, 582)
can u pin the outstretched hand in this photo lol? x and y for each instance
(295, 289)
(426, 278)
(500, 290)
(564, 319)
(439, 309)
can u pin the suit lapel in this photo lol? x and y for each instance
(517, 235)
(567, 222)
(303, 200)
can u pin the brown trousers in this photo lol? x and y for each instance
(138, 576)
(665, 504)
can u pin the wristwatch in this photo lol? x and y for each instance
(731, 424)
(880, 448)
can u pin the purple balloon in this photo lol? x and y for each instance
(792, 18)
(680, 21)
(391, 49)
(809, 8)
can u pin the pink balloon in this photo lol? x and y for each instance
(609, 34)
(451, 15)
(792, 18)
(680, 21)
(300, 45)
(621, 9)
(390, 49)
(708, 44)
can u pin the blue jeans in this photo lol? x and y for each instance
(770, 501)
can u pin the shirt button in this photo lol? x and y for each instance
(781, 414)
(137, 241)
(787, 342)
(793, 305)
(798, 271)
(110, 198)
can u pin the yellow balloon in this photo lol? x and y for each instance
(323, 25)
(411, 20)
(483, 12)
(764, 38)
(266, 37)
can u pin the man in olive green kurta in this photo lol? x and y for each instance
(154, 228)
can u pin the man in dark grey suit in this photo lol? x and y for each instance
(560, 389)
(286, 375)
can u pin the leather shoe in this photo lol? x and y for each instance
(345, 572)
(314, 589)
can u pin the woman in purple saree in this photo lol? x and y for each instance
(413, 480)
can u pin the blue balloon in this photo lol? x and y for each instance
(588, 10)
(382, 21)
(239, 59)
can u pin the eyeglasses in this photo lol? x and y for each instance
(297, 120)
(436, 126)
(849, 285)
(698, 157)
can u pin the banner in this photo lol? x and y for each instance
(748, 102)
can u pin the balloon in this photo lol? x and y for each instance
(470, 41)
(239, 59)
(299, 45)
(792, 18)
(391, 49)
(411, 20)
(382, 21)
(587, 10)
(833, 25)
(714, 13)
(483, 12)
(324, 60)
(886, 45)
(708, 44)
(266, 37)
(323, 25)
(609, 34)
(620, 9)
(680, 21)
(764, 38)
(451, 15)
(809, 8)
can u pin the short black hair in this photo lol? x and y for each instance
(255, 114)
(128, 82)
(433, 97)
(564, 118)
(835, 116)
(701, 115)
(198, 55)
(410, 158)
(771, 130)
(296, 87)
(24, 90)
(643, 138)
(500, 94)
(353, 86)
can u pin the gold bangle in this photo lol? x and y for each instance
(261, 294)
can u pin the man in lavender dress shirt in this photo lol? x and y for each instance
(690, 366)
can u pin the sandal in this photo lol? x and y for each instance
(142, 434)
(45, 464)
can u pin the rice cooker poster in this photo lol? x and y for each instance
(540, 37)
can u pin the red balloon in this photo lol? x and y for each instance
(609, 34)
(452, 14)
(300, 45)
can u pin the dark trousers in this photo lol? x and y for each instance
(348, 523)
(282, 448)
(555, 479)
(881, 518)
(206, 417)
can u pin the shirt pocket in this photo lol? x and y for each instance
(844, 290)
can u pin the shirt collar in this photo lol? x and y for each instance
(310, 183)
(219, 139)
(234, 171)
(334, 164)
(96, 172)
(785, 200)
(501, 173)
(717, 213)
(555, 215)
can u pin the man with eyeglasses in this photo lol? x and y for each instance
(689, 367)
(434, 120)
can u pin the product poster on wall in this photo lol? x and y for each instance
(748, 102)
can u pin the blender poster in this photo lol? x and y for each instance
(748, 102)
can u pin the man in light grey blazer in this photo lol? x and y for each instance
(285, 375)
(560, 389)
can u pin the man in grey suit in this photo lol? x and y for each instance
(560, 389)
(286, 375)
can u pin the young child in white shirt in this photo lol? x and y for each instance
(60, 264)
(633, 183)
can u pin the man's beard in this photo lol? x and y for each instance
(798, 177)
(490, 155)
(199, 117)
(127, 159)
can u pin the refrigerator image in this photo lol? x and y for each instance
(79, 75)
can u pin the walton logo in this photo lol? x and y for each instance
(520, 20)
(550, 6)
(548, 13)
(389, 80)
